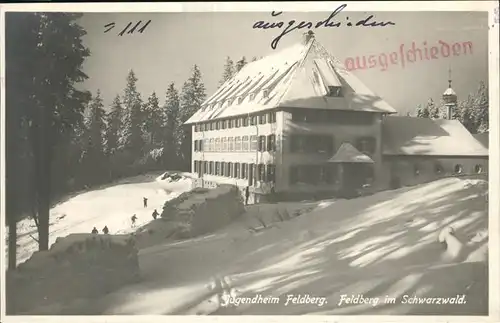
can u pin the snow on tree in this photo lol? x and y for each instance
(114, 125)
(132, 139)
(172, 128)
(153, 121)
(480, 106)
(240, 64)
(229, 71)
(192, 96)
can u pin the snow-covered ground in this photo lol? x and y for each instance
(373, 246)
(111, 206)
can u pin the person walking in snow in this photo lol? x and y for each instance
(134, 218)
(145, 201)
(247, 195)
(155, 214)
(105, 230)
(94, 231)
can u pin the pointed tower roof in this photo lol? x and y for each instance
(449, 92)
(298, 76)
(348, 154)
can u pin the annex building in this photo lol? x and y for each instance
(298, 123)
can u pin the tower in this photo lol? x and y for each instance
(449, 98)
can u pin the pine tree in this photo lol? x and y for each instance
(422, 112)
(480, 106)
(172, 128)
(94, 155)
(192, 96)
(254, 59)
(132, 139)
(241, 63)
(114, 125)
(465, 114)
(153, 121)
(228, 72)
(433, 109)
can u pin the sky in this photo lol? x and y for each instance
(172, 43)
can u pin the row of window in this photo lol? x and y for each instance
(237, 144)
(438, 169)
(324, 174)
(236, 122)
(340, 117)
(252, 172)
(326, 144)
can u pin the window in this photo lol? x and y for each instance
(195, 166)
(297, 143)
(253, 120)
(271, 173)
(238, 122)
(224, 144)
(272, 117)
(245, 122)
(212, 144)
(217, 169)
(252, 96)
(458, 169)
(219, 125)
(211, 168)
(366, 145)
(244, 143)
(262, 119)
(416, 169)
(262, 143)
(230, 123)
(230, 144)
(237, 144)
(261, 170)
(335, 91)
(312, 174)
(213, 126)
(438, 168)
(195, 145)
(478, 169)
(332, 116)
(224, 124)
(196, 127)
(253, 143)
(265, 93)
(271, 143)
(217, 144)
(244, 172)
(236, 170)
(223, 169)
(230, 169)
(240, 100)
(205, 167)
(201, 144)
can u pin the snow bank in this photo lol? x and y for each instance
(191, 214)
(204, 210)
(75, 267)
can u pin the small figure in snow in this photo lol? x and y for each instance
(155, 214)
(134, 218)
(247, 195)
(145, 201)
(105, 230)
(94, 231)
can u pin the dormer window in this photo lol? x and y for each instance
(265, 93)
(252, 96)
(240, 100)
(335, 91)
(230, 101)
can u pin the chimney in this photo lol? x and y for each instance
(308, 36)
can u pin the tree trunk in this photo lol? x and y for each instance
(42, 157)
(12, 244)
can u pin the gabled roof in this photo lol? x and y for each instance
(428, 137)
(482, 138)
(348, 154)
(297, 76)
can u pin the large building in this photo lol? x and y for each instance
(298, 123)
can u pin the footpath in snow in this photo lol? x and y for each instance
(390, 245)
(112, 206)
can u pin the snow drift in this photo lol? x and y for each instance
(75, 267)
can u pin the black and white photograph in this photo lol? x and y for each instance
(248, 158)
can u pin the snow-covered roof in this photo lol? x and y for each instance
(297, 76)
(449, 91)
(428, 137)
(347, 153)
(483, 138)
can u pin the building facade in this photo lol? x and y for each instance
(278, 125)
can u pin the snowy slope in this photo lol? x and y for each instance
(113, 206)
(385, 244)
